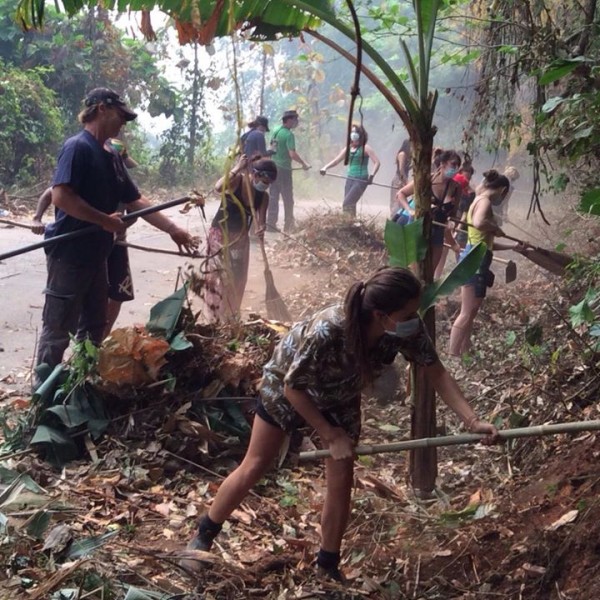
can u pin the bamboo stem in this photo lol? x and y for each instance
(466, 438)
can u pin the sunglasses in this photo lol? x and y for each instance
(266, 176)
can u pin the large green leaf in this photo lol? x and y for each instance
(165, 314)
(58, 447)
(52, 379)
(590, 202)
(560, 68)
(405, 243)
(461, 273)
(69, 416)
(86, 546)
(38, 524)
(134, 593)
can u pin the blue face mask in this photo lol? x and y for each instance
(405, 328)
(451, 172)
(260, 186)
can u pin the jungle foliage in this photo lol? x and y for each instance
(539, 85)
(46, 75)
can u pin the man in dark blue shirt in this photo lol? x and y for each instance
(254, 140)
(88, 185)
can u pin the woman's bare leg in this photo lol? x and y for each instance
(460, 335)
(436, 255)
(336, 508)
(441, 263)
(265, 442)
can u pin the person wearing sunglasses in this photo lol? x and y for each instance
(88, 187)
(244, 201)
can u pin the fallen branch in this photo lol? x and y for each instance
(466, 438)
(56, 579)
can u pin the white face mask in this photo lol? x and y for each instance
(405, 328)
(260, 186)
(355, 136)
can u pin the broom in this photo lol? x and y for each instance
(276, 308)
(551, 260)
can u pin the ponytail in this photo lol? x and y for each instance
(388, 290)
(356, 344)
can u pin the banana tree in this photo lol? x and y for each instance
(200, 21)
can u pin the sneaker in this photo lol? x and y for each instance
(196, 546)
(331, 573)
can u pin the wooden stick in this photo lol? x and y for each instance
(119, 243)
(466, 438)
(158, 250)
(94, 228)
(383, 185)
(504, 261)
(16, 224)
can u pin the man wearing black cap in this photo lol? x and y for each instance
(283, 143)
(88, 185)
(254, 140)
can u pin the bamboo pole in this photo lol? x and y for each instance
(465, 438)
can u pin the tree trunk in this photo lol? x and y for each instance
(263, 79)
(423, 461)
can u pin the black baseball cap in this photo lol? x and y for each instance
(110, 98)
(289, 114)
(262, 121)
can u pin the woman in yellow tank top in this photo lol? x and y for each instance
(482, 228)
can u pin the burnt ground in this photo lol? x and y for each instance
(519, 520)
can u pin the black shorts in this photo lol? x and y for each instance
(120, 284)
(261, 411)
(484, 278)
(440, 215)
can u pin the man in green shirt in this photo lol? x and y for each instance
(283, 143)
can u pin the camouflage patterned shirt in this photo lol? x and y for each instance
(313, 357)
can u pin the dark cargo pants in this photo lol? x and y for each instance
(76, 298)
(282, 185)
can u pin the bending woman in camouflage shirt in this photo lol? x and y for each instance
(316, 375)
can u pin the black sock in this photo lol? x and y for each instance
(327, 560)
(208, 529)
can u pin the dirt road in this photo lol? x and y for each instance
(22, 278)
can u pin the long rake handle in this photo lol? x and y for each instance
(504, 261)
(504, 235)
(467, 438)
(389, 187)
(79, 232)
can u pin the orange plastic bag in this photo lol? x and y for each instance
(131, 356)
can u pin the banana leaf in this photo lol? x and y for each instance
(165, 314)
(58, 447)
(38, 524)
(590, 202)
(461, 273)
(405, 243)
(86, 546)
(135, 593)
